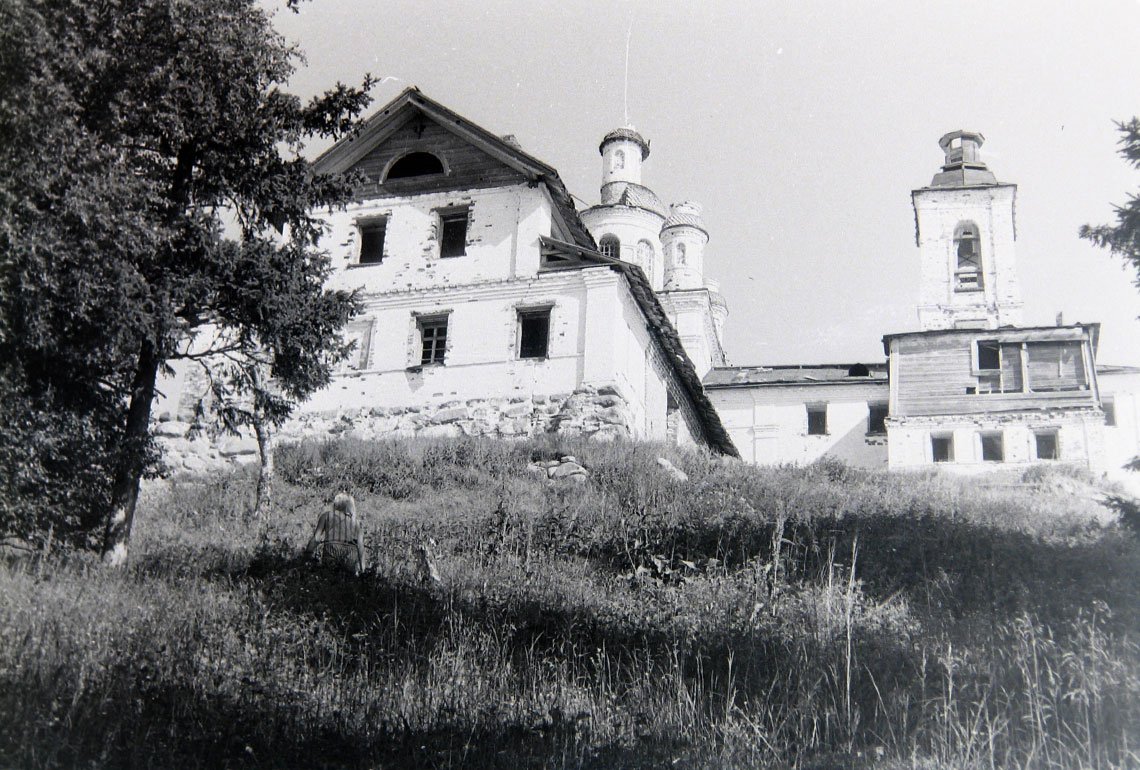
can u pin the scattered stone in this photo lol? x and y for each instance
(571, 471)
(172, 429)
(671, 470)
(238, 446)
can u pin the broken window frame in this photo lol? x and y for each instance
(367, 230)
(967, 257)
(453, 218)
(1007, 376)
(528, 317)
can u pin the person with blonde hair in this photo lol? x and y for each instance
(338, 539)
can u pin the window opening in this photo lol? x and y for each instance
(1109, 406)
(644, 254)
(619, 160)
(372, 241)
(609, 246)
(817, 420)
(680, 253)
(877, 418)
(433, 336)
(534, 333)
(415, 164)
(993, 448)
(453, 233)
(969, 269)
(942, 447)
(1046, 442)
(999, 367)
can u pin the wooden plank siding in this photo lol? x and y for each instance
(934, 374)
(467, 166)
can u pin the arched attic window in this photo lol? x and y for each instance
(415, 164)
(610, 246)
(968, 252)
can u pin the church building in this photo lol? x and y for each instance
(488, 307)
(971, 388)
(493, 307)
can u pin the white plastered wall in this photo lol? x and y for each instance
(769, 423)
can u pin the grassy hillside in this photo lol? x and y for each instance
(814, 618)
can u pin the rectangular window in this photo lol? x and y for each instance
(534, 333)
(433, 336)
(993, 448)
(989, 355)
(1109, 407)
(877, 418)
(372, 241)
(942, 447)
(999, 367)
(817, 420)
(1046, 444)
(453, 232)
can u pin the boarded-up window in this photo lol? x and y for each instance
(1056, 366)
(817, 420)
(942, 447)
(534, 333)
(1045, 442)
(993, 448)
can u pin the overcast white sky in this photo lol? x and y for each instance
(802, 126)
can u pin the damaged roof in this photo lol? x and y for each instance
(796, 374)
(663, 331)
(340, 158)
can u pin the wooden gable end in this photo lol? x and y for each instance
(935, 374)
(464, 165)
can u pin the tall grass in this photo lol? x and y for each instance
(817, 617)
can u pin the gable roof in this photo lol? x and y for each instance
(342, 156)
(662, 330)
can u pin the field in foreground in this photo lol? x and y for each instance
(812, 618)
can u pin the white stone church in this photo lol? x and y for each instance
(493, 307)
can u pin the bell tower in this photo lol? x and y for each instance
(965, 232)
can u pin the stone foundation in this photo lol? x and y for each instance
(591, 411)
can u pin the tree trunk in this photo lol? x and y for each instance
(265, 473)
(125, 492)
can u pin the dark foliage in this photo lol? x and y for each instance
(132, 131)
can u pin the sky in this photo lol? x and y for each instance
(801, 126)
